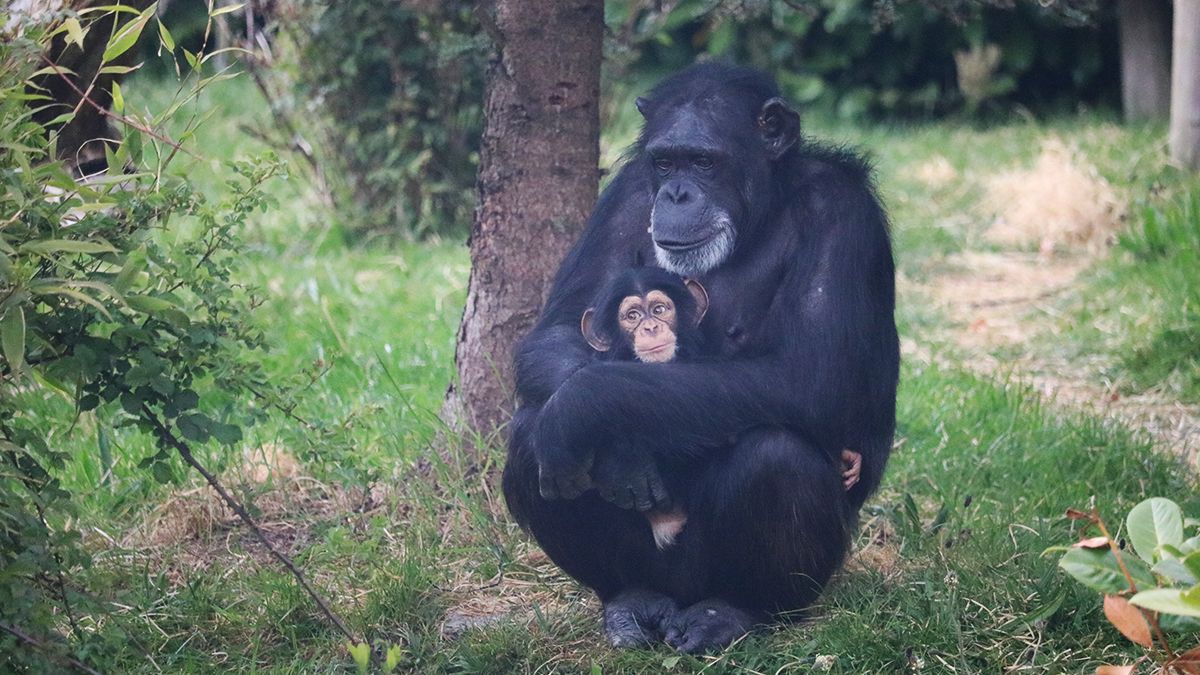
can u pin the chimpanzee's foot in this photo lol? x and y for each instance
(637, 618)
(708, 625)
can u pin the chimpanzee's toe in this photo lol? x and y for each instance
(707, 626)
(635, 618)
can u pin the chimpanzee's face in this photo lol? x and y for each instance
(711, 161)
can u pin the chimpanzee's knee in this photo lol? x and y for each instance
(776, 521)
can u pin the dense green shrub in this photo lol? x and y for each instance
(865, 57)
(401, 86)
(118, 308)
(398, 86)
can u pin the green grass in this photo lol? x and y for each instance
(976, 490)
(1142, 306)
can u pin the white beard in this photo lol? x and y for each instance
(697, 261)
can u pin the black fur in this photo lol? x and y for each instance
(804, 363)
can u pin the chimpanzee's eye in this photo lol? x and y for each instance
(633, 315)
(703, 162)
(664, 166)
(659, 309)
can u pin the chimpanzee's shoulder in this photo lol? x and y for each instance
(832, 165)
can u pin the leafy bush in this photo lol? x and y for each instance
(401, 86)
(116, 297)
(1153, 592)
(865, 57)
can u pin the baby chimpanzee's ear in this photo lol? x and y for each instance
(598, 342)
(700, 296)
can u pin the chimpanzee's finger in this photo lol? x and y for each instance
(573, 486)
(546, 486)
(641, 494)
(624, 498)
(658, 493)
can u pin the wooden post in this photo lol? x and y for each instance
(1185, 85)
(1145, 30)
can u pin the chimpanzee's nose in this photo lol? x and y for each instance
(677, 192)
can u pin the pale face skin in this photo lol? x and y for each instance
(651, 322)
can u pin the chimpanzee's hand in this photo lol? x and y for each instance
(562, 465)
(629, 478)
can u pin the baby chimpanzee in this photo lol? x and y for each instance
(653, 316)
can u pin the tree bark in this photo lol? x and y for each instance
(538, 177)
(1185, 85)
(1145, 31)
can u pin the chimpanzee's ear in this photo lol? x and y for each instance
(643, 105)
(597, 341)
(700, 296)
(779, 126)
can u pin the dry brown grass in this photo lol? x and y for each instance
(192, 529)
(935, 173)
(1061, 201)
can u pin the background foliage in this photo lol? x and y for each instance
(391, 92)
(117, 304)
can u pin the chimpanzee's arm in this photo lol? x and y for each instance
(555, 349)
(831, 376)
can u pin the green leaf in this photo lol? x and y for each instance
(128, 34)
(74, 31)
(118, 70)
(12, 338)
(1098, 570)
(46, 246)
(227, 9)
(164, 36)
(162, 472)
(1176, 571)
(194, 427)
(392, 659)
(148, 304)
(118, 99)
(135, 262)
(226, 434)
(1192, 562)
(1170, 601)
(361, 653)
(1152, 523)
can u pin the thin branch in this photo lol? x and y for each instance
(38, 644)
(84, 98)
(166, 436)
(1150, 616)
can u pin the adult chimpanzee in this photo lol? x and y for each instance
(792, 245)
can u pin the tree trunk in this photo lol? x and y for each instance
(1145, 28)
(1185, 85)
(82, 139)
(538, 177)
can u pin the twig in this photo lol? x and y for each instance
(38, 644)
(165, 435)
(1150, 616)
(84, 98)
(60, 580)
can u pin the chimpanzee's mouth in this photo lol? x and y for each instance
(658, 348)
(677, 246)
